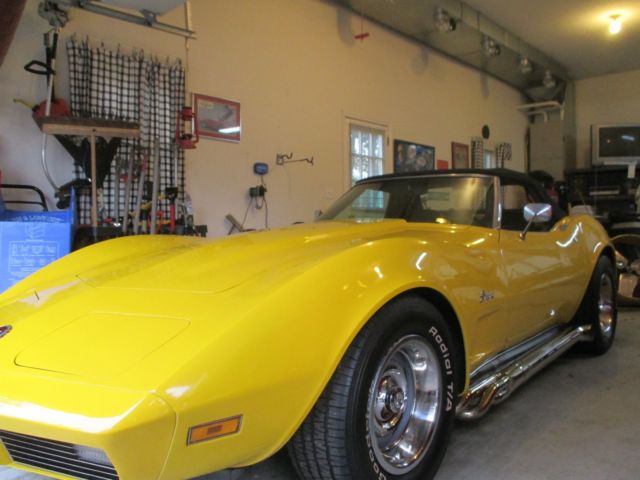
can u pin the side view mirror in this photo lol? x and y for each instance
(535, 213)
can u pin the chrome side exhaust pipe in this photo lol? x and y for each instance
(493, 388)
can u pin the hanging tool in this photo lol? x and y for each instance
(139, 199)
(282, 158)
(156, 186)
(45, 109)
(127, 192)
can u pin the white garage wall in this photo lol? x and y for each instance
(604, 100)
(297, 71)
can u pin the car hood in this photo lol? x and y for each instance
(222, 264)
(146, 306)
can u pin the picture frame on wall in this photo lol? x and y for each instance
(217, 118)
(459, 155)
(412, 157)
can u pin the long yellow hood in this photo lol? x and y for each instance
(120, 308)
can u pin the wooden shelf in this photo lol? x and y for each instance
(88, 127)
(91, 128)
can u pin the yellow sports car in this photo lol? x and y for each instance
(354, 341)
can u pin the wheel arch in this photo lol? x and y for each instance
(444, 306)
(609, 252)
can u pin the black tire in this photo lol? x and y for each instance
(598, 308)
(364, 403)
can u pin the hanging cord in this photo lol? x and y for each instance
(187, 21)
(259, 205)
(47, 110)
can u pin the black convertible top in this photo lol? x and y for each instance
(504, 173)
(507, 177)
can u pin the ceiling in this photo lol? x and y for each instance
(569, 39)
(573, 32)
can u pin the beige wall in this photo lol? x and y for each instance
(297, 71)
(604, 100)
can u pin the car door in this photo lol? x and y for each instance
(540, 271)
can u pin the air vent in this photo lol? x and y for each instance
(60, 457)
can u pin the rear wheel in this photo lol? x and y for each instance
(598, 307)
(388, 410)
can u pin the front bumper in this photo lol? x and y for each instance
(134, 429)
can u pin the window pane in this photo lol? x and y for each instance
(367, 153)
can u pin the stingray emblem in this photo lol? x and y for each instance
(486, 296)
(4, 329)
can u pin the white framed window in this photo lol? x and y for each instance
(367, 150)
(489, 159)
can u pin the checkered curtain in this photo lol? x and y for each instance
(477, 152)
(503, 154)
(131, 87)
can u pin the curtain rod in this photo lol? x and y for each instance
(147, 19)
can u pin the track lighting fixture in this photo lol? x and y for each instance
(525, 66)
(548, 81)
(490, 47)
(443, 21)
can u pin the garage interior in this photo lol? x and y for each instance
(519, 84)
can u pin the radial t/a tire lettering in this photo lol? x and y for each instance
(388, 411)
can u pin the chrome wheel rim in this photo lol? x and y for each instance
(605, 306)
(404, 404)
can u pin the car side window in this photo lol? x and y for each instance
(514, 198)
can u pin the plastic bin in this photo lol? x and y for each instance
(30, 240)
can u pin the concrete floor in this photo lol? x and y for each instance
(577, 419)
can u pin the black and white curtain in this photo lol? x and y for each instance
(133, 87)
(477, 152)
(503, 154)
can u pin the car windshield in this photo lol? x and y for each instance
(444, 199)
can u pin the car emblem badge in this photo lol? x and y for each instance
(486, 296)
(4, 329)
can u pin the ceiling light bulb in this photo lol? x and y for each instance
(548, 81)
(615, 24)
(525, 66)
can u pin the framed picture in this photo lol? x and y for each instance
(412, 157)
(217, 117)
(459, 155)
(442, 165)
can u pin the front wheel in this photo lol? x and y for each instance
(388, 411)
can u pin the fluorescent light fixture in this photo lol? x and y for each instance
(615, 24)
(229, 130)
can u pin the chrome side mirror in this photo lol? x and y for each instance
(535, 213)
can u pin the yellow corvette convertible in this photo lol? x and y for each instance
(354, 341)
